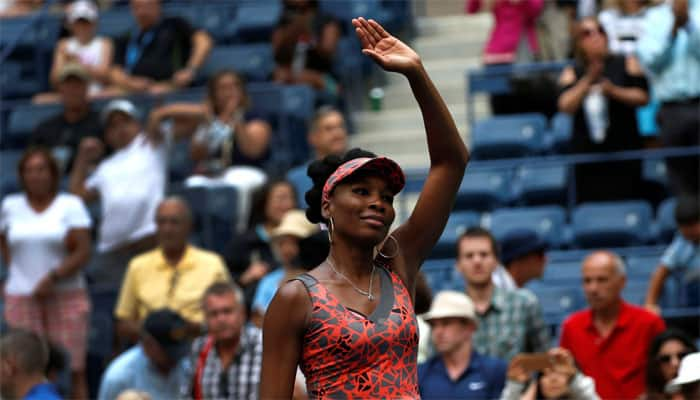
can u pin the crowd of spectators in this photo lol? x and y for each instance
(185, 320)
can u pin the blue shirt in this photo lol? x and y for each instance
(681, 254)
(133, 370)
(301, 182)
(43, 391)
(672, 65)
(266, 290)
(484, 378)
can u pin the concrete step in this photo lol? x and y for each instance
(467, 25)
(446, 69)
(437, 47)
(369, 122)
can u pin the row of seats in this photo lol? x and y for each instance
(590, 225)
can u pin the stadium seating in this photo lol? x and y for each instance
(23, 120)
(457, 223)
(558, 137)
(558, 302)
(508, 136)
(541, 184)
(610, 224)
(8, 167)
(255, 20)
(215, 213)
(548, 221)
(253, 61)
(665, 220)
(115, 23)
(483, 190)
(562, 272)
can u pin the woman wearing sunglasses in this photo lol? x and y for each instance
(602, 92)
(665, 354)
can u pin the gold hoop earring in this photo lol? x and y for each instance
(396, 252)
(330, 229)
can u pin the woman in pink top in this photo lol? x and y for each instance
(514, 21)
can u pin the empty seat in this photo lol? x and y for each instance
(559, 135)
(548, 221)
(642, 267)
(13, 84)
(635, 290)
(541, 184)
(254, 61)
(665, 220)
(24, 119)
(255, 21)
(558, 302)
(508, 136)
(562, 272)
(437, 274)
(612, 224)
(222, 210)
(484, 190)
(9, 182)
(654, 170)
(115, 23)
(457, 223)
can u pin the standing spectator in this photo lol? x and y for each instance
(602, 92)
(684, 252)
(688, 380)
(610, 340)
(63, 133)
(665, 355)
(513, 39)
(304, 44)
(554, 28)
(45, 241)
(669, 49)
(157, 365)
(327, 135)
(226, 362)
(249, 256)
(174, 275)
(458, 370)
(83, 47)
(561, 380)
(23, 358)
(162, 54)
(523, 256)
(624, 24)
(285, 245)
(510, 321)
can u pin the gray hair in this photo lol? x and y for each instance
(28, 349)
(619, 264)
(221, 288)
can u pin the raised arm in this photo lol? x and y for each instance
(448, 154)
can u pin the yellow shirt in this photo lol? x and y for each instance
(151, 283)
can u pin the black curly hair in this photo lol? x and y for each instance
(319, 171)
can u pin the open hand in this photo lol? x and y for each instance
(386, 50)
(516, 371)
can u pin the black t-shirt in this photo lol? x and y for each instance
(57, 132)
(158, 52)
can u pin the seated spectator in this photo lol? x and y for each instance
(668, 49)
(624, 23)
(561, 380)
(174, 275)
(162, 54)
(226, 362)
(157, 365)
(457, 370)
(83, 47)
(23, 358)
(510, 321)
(304, 44)
(602, 92)
(45, 242)
(665, 355)
(285, 245)
(522, 254)
(610, 340)
(327, 135)
(688, 380)
(63, 133)
(249, 256)
(684, 252)
(513, 39)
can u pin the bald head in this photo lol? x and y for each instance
(174, 221)
(603, 279)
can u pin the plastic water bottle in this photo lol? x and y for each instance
(595, 107)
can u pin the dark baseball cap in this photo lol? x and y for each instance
(169, 329)
(518, 243)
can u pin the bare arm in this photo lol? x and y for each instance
(448, 154)
(90, 150)
(656, 285)
(59, 59)
(201, 46)
(119, 77)
(101, 72)
(571, 99)
(191, 110)
(78, 245)
(283, 329)
(630, 95)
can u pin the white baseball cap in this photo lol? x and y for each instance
(82, 9)
(451, 304)
(688, 372)
(120, 105)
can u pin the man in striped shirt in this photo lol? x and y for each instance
(225, 362)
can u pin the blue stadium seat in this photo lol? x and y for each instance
(189, 95)
(541, 184)
(24, 119)
(346, 10)
(9, 181)
(612, 224)
(567, 273)
(196, 198)
(222, 207)
(14, 85)
(635, 290)
(508, 136)
(115, 23)
(30, 31)
(217, 18)
(642, 266)
(180, 164)
(437, 274)
(559, 135)
(654, 170)
(253, 61)
(665, 220)
(484, 190)
(548, 221)
(255, 20)
(558, 302)
(457, 223)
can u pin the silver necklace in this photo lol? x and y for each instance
(367, 292)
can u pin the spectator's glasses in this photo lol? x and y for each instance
(588, 32)
(666, 358)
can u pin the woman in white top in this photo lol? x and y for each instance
(93, 52)
(45, 242)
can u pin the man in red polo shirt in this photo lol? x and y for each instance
(610, 339)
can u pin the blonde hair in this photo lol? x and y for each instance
(131, 394)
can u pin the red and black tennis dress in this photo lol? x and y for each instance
(346, 354)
